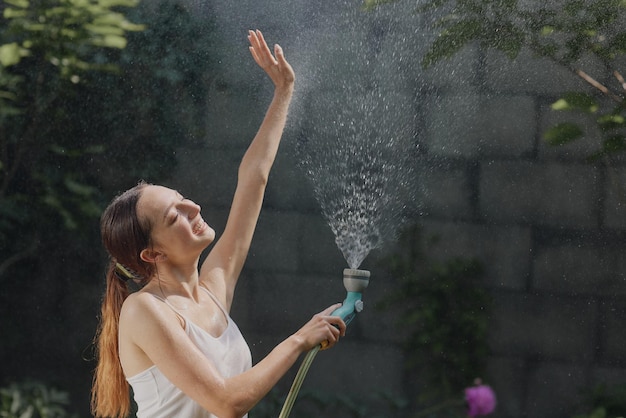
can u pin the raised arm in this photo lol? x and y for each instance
(221, 268)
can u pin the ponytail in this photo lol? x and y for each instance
(124, 236)
(110, 394)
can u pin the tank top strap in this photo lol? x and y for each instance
(215, 299)
(178, 314)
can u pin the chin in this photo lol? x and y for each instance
(210, 235)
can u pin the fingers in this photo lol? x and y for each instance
(333, 337)
(330, 309)
(335, 326)
(259, 49)
(280, 55)
(276, 66)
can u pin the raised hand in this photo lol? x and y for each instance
(276, 66)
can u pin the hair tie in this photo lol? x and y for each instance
(123, 273)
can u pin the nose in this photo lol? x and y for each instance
(191, 208)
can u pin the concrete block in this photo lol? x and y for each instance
(288, 187)
(576, 269)
(360, 371)
(451, 126)
(613, 337)
(466, 125)
(507, 377)
(448, 192)
(615, 203)
(275, 244)
(554, 389)
(543, 326)
(457, 73)
(505, 252)
(235, 111)
(374, 323)
(508, 126)
(528, 74)
(319, 252)
(551, 194)
(207, 176)
(280, 304)
(607, 375)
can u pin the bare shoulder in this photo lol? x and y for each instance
(138, 305)
(142, 312)
(145, 323)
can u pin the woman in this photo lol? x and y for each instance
(173, 340)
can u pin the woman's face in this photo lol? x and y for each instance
(178, 230)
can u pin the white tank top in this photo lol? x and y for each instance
(157, 397)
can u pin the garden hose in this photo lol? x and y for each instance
(355, 281)
(297, 382)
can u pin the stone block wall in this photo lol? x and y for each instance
(548, 226)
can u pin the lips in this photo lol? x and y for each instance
(199, 227)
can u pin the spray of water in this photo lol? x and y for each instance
(358, 159)
(357, 132)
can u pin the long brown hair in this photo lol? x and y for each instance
(124, 235)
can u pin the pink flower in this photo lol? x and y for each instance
(480, 400)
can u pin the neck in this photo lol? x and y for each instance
(172, 280)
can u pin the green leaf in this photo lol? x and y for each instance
(372, 4)
(10, 13)
(611, 121)
(110, 41)
(505, 37)
(78, 188)
(11, 54)
(618, 43)
(18, 3)
(108, 4)
(563, 133)
(430, 5)
(451, 40)
(614, 144)
(576, 101)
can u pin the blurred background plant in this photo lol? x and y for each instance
(604, 401)
(94, 95)
(573, 34)
(443, 310)
(33, 400)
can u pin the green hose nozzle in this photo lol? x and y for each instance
(355, 281)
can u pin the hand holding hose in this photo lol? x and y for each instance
(323, 329)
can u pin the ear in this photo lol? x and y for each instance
(151, 256)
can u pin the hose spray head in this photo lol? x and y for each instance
(355, 281)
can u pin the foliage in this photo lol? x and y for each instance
(444, 311)
(610, 122)
(46, 48)
(83, 93)
(33, 400)
(564, 32)
(70, 140)
(605, 402)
